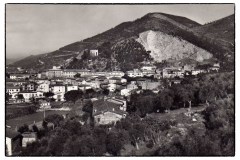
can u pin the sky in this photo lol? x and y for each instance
(36, 28)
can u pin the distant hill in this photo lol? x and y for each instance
(11, 60)
(126, 35)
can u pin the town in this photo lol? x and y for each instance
(52, 91)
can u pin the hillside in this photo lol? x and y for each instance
(222, 29)
(172, 26)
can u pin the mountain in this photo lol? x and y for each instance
(155, 36)
(11, 60)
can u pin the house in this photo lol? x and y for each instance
(93, 52)
(133, 85)
(197, 71)
(54, 72)
(28, 137)
(114, 80)
(125, 92)
(30, 86)
(43, 87)
(148, 68)
(115, 74)
(123, 80)
(148, 85)
(135, 73)
(215, 68)
(112, 87)
(84, 87)
(172, 72)
(19, 76)
(106, 112)
(148, 73)
(13, 141)
(59, 91)
(15, 82)
(44, 104)
(118, 100)
(72, 87)
(58, 88)
(27, 95)
(12, 90)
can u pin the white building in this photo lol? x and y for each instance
(115, 74)
(43, 87)
(28, 137)
(13, 141)
(149, 68)
(58, 89)
(135, 73)
(125, 92)
(94, 52)
(71, 88)
(12, 89)
(27, 95)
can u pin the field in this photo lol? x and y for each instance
(18, 110)
(29, 119)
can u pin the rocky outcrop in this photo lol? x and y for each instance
(167, 47)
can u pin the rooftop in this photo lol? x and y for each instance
(101, 106)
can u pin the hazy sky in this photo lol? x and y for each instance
(35, 29)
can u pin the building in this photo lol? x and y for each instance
(93, 52)
(54, 72)
(59, 91)
(13, 141)
(72, 87)
(132, 86)
(106, 112)
(172, 72)
(125, 92)
(19, 76)
(148, 85)
(30, 86)
(114, 80)
(115, 74)
(135, 73)
(148, 68)
(43, 87)
(12, 90)
(28, 137)
(27, 95)
(58, 88)
(118, 100)
(43, 104)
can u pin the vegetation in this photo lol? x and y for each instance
(73, 95)
(14, 111)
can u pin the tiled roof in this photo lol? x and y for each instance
(102, 106)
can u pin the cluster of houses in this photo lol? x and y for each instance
(26, 87)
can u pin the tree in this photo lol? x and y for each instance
(113, 143)
(48, 94)
(20, 96)
(23, 128)
(166, 100)
(73, 95)
(78, 75)
(89, 92)
(88, 107)
(55, 119)
(85, 55)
